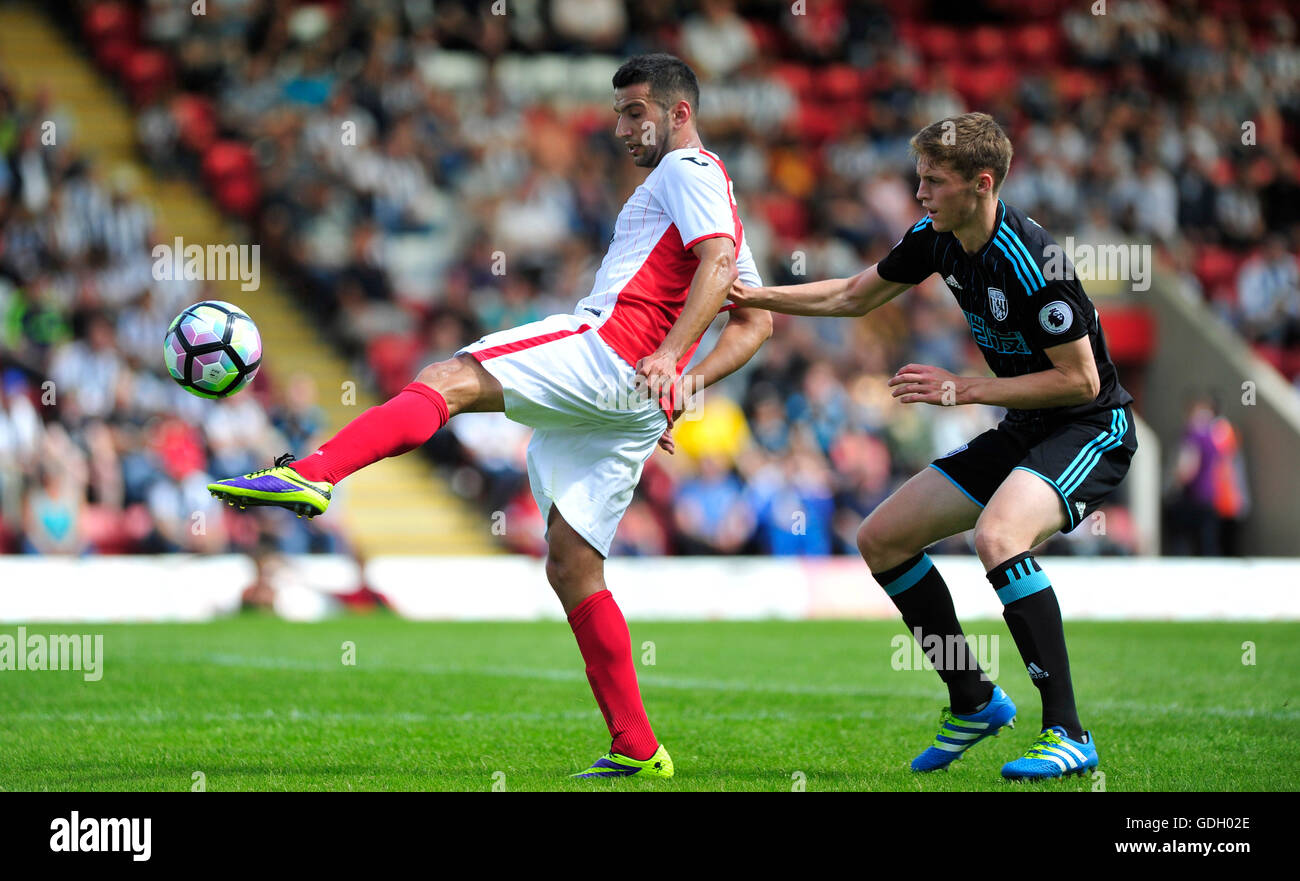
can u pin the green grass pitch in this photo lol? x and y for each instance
(254, 703)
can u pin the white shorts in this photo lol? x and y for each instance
(592, 431)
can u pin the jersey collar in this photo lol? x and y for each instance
(997, 224)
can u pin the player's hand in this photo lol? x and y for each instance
(656, 374)
(666, 442)
(923, 384)
(739, 291)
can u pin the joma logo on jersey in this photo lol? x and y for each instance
(1011, 343)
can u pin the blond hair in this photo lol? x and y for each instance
(967, 144)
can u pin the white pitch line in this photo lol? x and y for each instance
(554, 675)
(405, 718)
(655, 680)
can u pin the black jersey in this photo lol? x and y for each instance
(1018, 301)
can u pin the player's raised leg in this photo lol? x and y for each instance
(1024, 512)
(576, 572)
(893, 540)
(397, 426)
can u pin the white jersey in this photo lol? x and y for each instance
(571, 376)
(643, 281)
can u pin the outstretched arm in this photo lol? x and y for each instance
(1072, 380)
(745, 332)
(837, 296)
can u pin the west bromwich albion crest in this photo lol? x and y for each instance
(998, 303)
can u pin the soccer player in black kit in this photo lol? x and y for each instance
(1063, 447)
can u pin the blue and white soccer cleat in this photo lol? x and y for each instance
(959, 733)
(1054, 755)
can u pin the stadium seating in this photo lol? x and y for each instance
(803, 170)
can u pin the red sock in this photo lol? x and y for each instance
(606, 646)
(398, 426)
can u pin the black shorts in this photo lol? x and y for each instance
(1082, 460)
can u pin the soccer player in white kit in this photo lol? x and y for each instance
(597, 386)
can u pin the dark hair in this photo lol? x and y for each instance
(671, 79)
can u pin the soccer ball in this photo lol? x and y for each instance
(212, 349)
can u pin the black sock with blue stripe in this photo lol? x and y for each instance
(1034, 618)
(918, 590)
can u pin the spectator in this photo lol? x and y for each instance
(1210, 492)
(1268, 294)
(710, 510)
(717, 41)
(100, 452)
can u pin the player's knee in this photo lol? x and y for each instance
(435, 375)
(450, 379)
(875, 543)
(559, 572)
(996, 541)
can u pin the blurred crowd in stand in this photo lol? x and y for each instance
(425, 173)
(100, 451)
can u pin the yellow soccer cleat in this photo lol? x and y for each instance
(613, 765)
(280, 486)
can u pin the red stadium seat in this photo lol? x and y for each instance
(768, 38)
(857, 115)
(1215, 267)
(1073, 84)
(240, 196)
(196, 120)
(787, 215)
(1283, 360)
(147, 74)
(817, 123)
(231, 175)
(840, 82)
(112, 55)
(907, 31)
(1291, 363)
(392, 357)
(798, 77)
(1036, 44)
(939, 42)
(988, 43)
(109, 21)
(226, 159)
(979, 84)
(1272, 354)
(1130, 333)
(110, 531)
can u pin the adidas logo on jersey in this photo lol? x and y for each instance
(952, 282)
(1036, 672)
(1081, 507)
